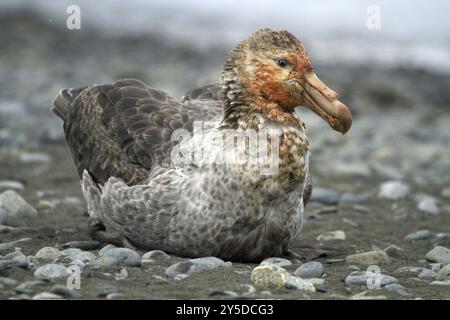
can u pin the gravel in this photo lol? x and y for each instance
(311, 269)
(191, 266)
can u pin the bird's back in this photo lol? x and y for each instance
(123, 129)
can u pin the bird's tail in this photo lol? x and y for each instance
(62, 102)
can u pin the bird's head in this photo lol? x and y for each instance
(272, 70)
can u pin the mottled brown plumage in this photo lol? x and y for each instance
(121, 138)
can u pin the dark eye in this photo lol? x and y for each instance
(282, 63)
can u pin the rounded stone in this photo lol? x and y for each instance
(117, 257)
(195, 265)
(445, 270)
(281, 262)
(46, 296)
(65, 292)
(439, 254)
(393, 190)
(269, 276)
(332, 235)
(51, 271)
(428, 205)
(369, 258)
(419, 235)
(155, 254)
(13, 208)
(311, 269)
(48, 253)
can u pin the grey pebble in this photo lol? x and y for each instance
(419, 235)
(11, 184)
(115, 296)
(428, 205)
(393, 190)
(51, 271)
(445, 270)
(281, 262)
(6, 229)
(158, 254)
(106, 248)
(46, 296)
(116, 257)
(83, 245)
(12, 244)
(436, 266)
(27, 157)
(6, 264)
(27, 287)
(427, 274)
(409, 271)
(361, 209)
(65, 292)
(439, 254)
(13, 208)
(107, 290)
(325, 196)
(21, 296)
(394, 251)
(353, 268)
(311, 269)
(363, 278)
(8, 282)
(195, 265)
(48, 253)
(82, 256)
(399, 289)
(331, 197)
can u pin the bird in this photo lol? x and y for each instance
(135, 150)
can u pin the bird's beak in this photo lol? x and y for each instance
(324, 102)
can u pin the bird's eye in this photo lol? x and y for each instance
(282, 63)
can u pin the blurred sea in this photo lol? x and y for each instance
(413, 33)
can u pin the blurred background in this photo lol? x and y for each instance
(395, 78)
